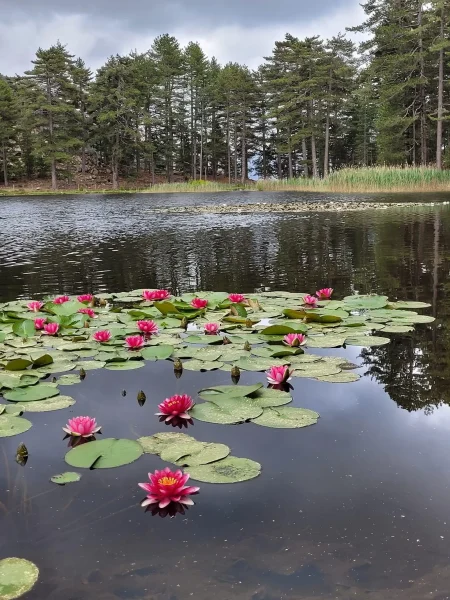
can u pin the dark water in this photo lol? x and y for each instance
(356, 506)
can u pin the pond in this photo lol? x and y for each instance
(355, 506)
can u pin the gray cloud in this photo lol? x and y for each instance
(238, 30)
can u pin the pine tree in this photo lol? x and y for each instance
(8, 121)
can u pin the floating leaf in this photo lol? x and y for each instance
(17, 364)
(326, 341)
(127, 365)
(13, 425)
(320, 368)
(365, 302)
(57, 367)
(229, 470)
(17, 577)
(367, 340)
(90, 365)
(104, 454)
(41, 391)
(238, 391)
(199, 365)
(66, 309)
(226, 410)
(25, 329)
(42, 361)
(344, 377)
(397, 329)
(287, 417)
(259, 364)
(67, 477)
(201, 453)
(161, 352)
(203, 339)
(406, 304)
(285, 329)
(55, 403)
(155, 444)
(68, 379)
(266, 397)
(11, 382)
(207, 353)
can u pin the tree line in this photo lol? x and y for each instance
(313, 106)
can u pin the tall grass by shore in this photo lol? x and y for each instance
(350, 180)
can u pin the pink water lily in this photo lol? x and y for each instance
(152, 295)
(294, 339)
(237, 298)
(310, 301)
(82, 427)
(168, 486)
(134, 342)
(39, 323)
(325, 293)
(211, 328)
(103, 335)
(176, 406)
(148, 327)
(278, 375)
(85, 298)
(35, 305)
(51, 328)
(88, 311)
(61, 299)
(199, 303)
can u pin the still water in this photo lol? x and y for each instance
(357, 506)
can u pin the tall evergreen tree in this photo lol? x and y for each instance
(8, 121)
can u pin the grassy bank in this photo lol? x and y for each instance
(351, 180)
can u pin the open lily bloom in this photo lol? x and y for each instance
(168, 486)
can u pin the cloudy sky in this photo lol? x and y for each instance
(237, 30)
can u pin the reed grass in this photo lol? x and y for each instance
(350, 180)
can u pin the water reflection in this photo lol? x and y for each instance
(174, 509)
(355, 506)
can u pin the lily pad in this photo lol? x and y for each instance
(326, 341)
(409, 304)
(239, 391)
(367, 340)
(17, 577)
(55, 403)
(155, 444)
(104, 454)
(266, 397)
(12, 425)
(127, 365)
(259, 364)
(203, 339)
(207, 453)
(90, 365)
(365, 302)
(41, 391)
(68, 379)
(200, 365)
(18, 364)
(67, 477)
(287, 418)
(25, 329)
(397, 329)
(226, 410)
(228, 470)
(344, 377)
(161, 352)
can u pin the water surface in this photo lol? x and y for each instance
(353, 507)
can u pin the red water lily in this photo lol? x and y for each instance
(199, 303)
(82, 427)
(35, 305)
(236, 298)
(152, 295)
(310, 301)
(61, 299)
(211, 328)
(148, 327)
(325, 293)
(168, 486)
(134, 342)
(85, 298)
(176, 406)
(39, 323)
(294, 339)
(51, 328)
(87, 311)
(278, 375)
(102, 336)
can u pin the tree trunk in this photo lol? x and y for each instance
(235, 152)
(423, 124)
(201, 138)
(54, 182)
(305, 158)
(50, 130)
(115, 174)
(5, 166)
(228, 143)
(264, 153)
(440, 110)
(244, 148)
(326, 157)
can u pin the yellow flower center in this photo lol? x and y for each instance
(167, 481)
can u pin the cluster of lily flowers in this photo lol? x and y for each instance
(166, 489)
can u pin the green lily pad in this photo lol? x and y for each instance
(259, 364)
(67, 477)
(344, 377)
(205, 454)
(266, 397)
(68, 379)
(155, 444)
(200, 365)
(207, 354)
(161, 352)
(326, 341)
(285, 329)
(127, 365)
(226, 410)
(203, 339)
(57, 367)
(90, 365)
(8, 381)
(320, 368)
(287, 418)
(104, 454)
(55, 403)
(25, 329)
(397, 329)
(41, 391)
(413, 319)
(12, 425)
(238, 391)
(229, 470)
(365, 302)
(367, 340)
(18, 364)
(409, 304)
(17, 577)
(42, 361)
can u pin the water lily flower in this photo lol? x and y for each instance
(85, 298)
(294, 339)
(148, 327)
(51, 328)
(236, 298)
(102, 335)
(176, 406)
(35, 306)
(311, 301)
(39, 323)
(134, 342)
(87, 311)
(278, 375)
(325, 293)
(211, 328)
(61, 299)
(168, 486)
(82, 427)
(199, 303)
(155, 295)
